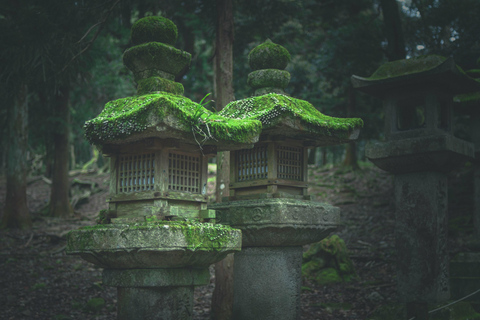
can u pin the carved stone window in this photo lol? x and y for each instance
(252, 163)
(290, 163)
(184, 172)
(136, 173)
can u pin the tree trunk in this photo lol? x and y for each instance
(222, 298)
(393, 30)
(350, 159)
(16, 213)
(59, 198)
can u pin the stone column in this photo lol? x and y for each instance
(267, 272)
(155, 293)
(421, 237)
(267, 283)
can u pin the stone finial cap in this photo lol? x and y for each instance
(154, 29)
(268, 55)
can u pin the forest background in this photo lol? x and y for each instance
(61, 61)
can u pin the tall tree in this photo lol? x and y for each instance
(393, 30)
(16, 213)
(222, 299)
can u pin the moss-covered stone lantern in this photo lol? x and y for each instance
(419, 149)
(159, 243)
(268, 199)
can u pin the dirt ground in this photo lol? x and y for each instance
(39, 281)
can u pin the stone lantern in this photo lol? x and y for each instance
(159, 243)
(268, 189)
(419, 149)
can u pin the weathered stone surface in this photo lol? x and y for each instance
(279, 222)
(156, 277)
(160, 245)
(267, 283)
(431, 153)
(155, 303)
(421, 237)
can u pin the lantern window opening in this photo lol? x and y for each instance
(443, 115)
(136, 173)
(184, 172)
(411, 114)
(290, 163)
(252, 163)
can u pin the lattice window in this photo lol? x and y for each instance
(136, 173)
(184, 172)
(252, 163)
(290, 163)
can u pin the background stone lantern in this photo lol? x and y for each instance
(268, 189)
(155, 250)
(419, 149)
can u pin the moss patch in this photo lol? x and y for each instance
(198, 236)
(158, 29)
(153, 84)
(407, 66)
(268, 55)
(156, 55)
(271, 109)
(268, 78)
(327, 262)
(128, 116)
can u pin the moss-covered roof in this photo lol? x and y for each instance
(285, 116)
(420, 72)
(165, 115)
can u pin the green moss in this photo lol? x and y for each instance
(268, 78)
(154, 29)
(327, 261)
(272, 108)
(268, 55)
(154, 84)
(407, 66)
(128, 116)
(198, 235)
(156, 55)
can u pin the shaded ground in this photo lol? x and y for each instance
(38, 281)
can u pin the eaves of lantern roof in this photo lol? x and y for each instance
(416, 73)
(285, 117)
(168, 116)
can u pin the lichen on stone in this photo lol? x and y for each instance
(271, 109)
(125, 117)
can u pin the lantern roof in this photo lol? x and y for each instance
(168, 116)
(282, 116)
(420, 72)
(159, 110)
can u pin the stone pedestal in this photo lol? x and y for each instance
(421, 236)
(155, 266)
(267, 283)
(155, 293)
(267, 272)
